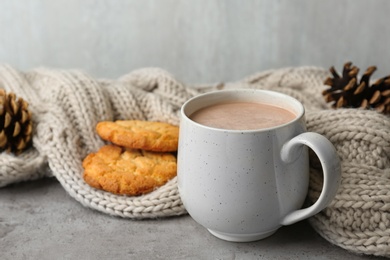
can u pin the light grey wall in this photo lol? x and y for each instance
(199, 41)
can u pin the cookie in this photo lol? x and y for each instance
(128, 172)
(136, 134)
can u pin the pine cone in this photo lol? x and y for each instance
(15, 123)
(347, 92)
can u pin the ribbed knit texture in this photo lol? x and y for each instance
(66, 106)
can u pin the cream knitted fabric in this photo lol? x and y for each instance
(66, 106)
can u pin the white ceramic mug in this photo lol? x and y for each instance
(242, 185)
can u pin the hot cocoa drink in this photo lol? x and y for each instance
(244, 185)
(242, 116)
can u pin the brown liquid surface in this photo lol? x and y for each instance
(242, 116)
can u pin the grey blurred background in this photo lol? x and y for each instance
(199, 41)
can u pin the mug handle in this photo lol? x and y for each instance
(330, 163)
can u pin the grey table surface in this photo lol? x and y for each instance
(39, 220)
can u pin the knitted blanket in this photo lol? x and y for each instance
(66, 105)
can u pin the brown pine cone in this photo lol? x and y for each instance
(347, 91)
(15, 123)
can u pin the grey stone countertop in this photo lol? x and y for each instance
(39, 220)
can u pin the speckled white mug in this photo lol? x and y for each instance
(244, 185)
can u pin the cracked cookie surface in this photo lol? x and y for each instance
(127, 171)
(137, 134)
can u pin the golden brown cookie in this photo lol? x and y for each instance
(136, 134)
(128, 172)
